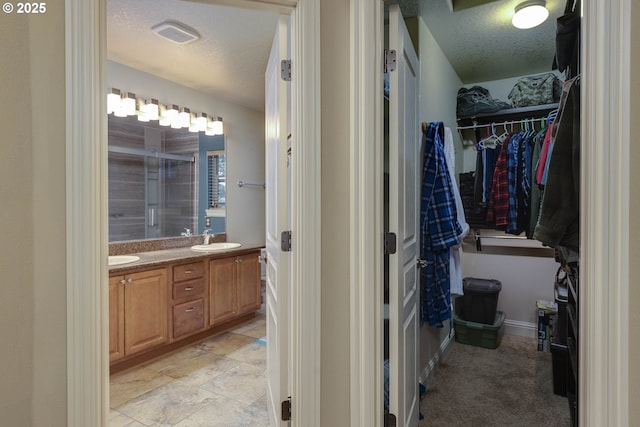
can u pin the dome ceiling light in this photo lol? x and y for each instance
(529, 14)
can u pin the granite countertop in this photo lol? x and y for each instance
(154, 258)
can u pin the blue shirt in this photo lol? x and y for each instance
(439, 229)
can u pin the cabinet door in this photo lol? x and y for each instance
(145, 310)
(222, 290)
(116, 317)
(248, 283)
(188, 318)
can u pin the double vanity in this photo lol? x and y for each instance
(169, 293)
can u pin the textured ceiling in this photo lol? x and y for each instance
(228, 61)
(481, 43)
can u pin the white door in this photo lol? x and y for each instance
(277, 267)
(404, 149)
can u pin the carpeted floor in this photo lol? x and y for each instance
(509, 386)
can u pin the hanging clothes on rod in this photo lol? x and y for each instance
(439, 229)
(506, 174)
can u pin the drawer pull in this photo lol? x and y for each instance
(188, 271)
(190, 288)
(190, 309)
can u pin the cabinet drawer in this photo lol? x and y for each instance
(188, 271)
(192, 288)
(188, 318)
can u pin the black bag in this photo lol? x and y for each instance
(536, 90)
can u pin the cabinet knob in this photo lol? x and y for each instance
(130, 280)
(239, 260)
(122, 282)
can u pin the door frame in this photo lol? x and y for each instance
(604, 314)
(367, 219)
(87, 207)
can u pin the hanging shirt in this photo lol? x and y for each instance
(536, 195)
(455, 263)
(489, 164)
(513, 159)
(543, 155)
(439, 229)
(498, 209)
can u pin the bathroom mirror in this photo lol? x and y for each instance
(158, 180)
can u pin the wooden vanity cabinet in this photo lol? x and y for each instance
(137, 312)
(188, 296)
(159, 310)
(116, 317)
(234, 287)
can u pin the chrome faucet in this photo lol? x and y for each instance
(206, 236)
(186, 232)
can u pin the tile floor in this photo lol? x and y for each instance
(217, 382)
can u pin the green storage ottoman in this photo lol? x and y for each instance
(480, 334)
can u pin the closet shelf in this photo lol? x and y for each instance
(508, 114)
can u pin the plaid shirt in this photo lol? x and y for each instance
(498, 207)
(439, 229)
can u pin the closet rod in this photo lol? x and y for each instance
(477, 235)
(512, 122)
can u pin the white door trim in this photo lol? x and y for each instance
(87, 241)
(366, 222)
(86, 189)
(604, 287)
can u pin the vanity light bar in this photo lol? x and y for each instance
(123, 104)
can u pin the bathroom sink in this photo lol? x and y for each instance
(122, 259)
(219, 246)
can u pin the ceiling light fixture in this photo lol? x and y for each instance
(529, 14)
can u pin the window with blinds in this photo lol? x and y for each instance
(216, 178)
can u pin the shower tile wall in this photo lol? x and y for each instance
(180, 182)
(127, 210)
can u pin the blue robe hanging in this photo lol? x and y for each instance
(439, 229)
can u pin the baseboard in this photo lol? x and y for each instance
(523, 329)
(427, 377)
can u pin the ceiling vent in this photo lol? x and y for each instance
(176, 32)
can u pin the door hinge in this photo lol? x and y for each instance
(389, 420)
(285, 70)
(285, 241)
(389, 243)
(286, 409)
(389, 60)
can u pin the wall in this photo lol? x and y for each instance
(524, 279)
(32, 187)
(16, 169)
(439, 85)
(634, 221)
(335, 306)
(244, 131)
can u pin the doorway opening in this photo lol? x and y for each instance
(233, 64)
